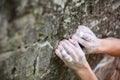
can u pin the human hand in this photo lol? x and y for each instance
(71, 54)
(85, 37)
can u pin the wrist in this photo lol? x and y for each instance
(84, 68)
(109, 46)
(86, 74)
(101, 48)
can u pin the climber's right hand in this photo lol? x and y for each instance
(85, 37)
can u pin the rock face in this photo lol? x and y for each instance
(31, 29)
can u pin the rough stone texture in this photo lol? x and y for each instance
(31, 29)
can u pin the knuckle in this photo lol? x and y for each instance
(81, 26)
(81, 34)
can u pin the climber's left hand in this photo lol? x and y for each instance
(71, 54)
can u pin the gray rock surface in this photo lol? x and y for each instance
(31, 29)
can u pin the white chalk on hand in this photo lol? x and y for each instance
(81, 34)
(66, 56)
(69, 58)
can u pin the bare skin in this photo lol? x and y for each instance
(68, 49)
(74, 57)
(87, 39)
(110, 46)
(92, 44)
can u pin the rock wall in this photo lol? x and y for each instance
(31, 29)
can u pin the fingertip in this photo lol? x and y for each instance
(77, 30)
(81, 26)
(71, 40)
(57, 52)
(73, 37)
(60, 47)
(65, 40)
(60, 42)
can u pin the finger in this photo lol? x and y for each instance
(60, 47)
(87, 37)
(73, 42)
(70, 44)
(64, 53)
(82, 27)
(80, 40)
(68, 48)
(67, 59)
(83, 35)
(79, 49)
(80, 33)
(66, 56)
(62, 50)
(85, 29)
(73, 47)
(57, 51)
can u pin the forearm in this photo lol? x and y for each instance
(110, 46)
(86, 74)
